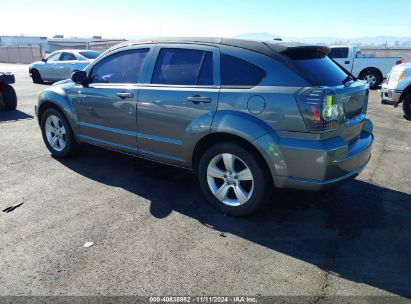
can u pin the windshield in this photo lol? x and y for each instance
(90, 54)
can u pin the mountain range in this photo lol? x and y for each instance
(382, 41)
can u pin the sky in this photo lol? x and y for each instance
(223, 18)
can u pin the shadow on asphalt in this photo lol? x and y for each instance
(14, 115)
(360, 232)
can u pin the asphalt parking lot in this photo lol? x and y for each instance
(154, 234)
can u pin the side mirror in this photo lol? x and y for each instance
(44, 60)
(79, 77)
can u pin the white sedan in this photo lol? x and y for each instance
(61, 64)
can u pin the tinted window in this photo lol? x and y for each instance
(67, 56)
(238, 72)
(183, 67)
(90, 54)
(321, 71)
(53, 57)
(338, 53)
(123, 67)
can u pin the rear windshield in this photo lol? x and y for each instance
(90, 54)
(321, 72)
(314, 64)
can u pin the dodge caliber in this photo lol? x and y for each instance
(245, 116)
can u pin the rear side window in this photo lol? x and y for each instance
(239, 72)
(90, 54)
(338, 53)
(122, 67)
(183, 67)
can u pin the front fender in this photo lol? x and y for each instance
(64, 97)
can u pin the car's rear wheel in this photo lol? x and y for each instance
(57, 134)
(233, 179)
(372, 77)
(8, 98)
(36, 77)
(406, 106)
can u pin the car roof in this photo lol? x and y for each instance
(268, 48)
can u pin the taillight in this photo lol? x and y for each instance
(398, 62)
(321, 109)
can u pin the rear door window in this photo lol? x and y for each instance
(239, 72)
(67, 56)
(177, 66)
(122, 67)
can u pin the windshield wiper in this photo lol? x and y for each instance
(347, 79)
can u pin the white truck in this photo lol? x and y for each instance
(363, 66)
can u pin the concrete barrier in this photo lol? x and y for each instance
(11, 54)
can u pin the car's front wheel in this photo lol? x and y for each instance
(57, 134)
(233, 179)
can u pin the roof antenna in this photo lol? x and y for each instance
(278, 39)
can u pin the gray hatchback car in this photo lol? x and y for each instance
(245, 116)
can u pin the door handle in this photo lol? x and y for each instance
(347, 62)
(124, 95)
(199, 99)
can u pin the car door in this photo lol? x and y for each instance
(107, 105)
(48, 69)
(66, 65)
(181, 90)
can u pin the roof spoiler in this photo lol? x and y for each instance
(304, 52)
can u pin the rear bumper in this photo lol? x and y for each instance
(319, 165)
(338, 172)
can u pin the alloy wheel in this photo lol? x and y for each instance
(56, 133)
(230, 179)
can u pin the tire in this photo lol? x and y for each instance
(406, 106)
(242, 195)
(372, 77)
(61, 142)
(35, 75)
(8, 98)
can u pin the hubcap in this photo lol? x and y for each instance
(230, 179)
(55, 133)
(370, 79)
